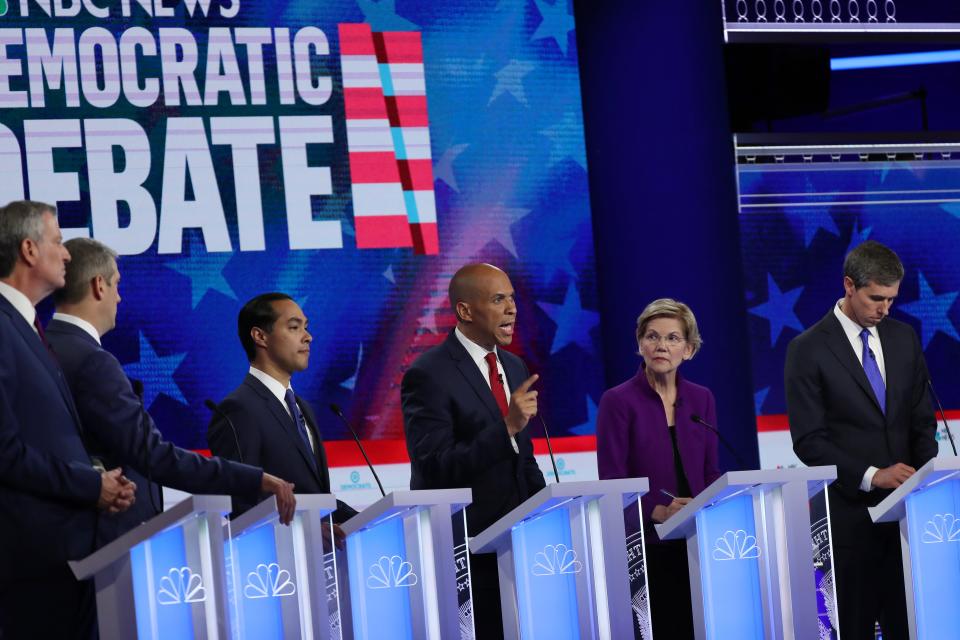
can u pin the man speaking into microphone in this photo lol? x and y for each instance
(466, 403)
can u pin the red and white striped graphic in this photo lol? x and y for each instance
(388, 139)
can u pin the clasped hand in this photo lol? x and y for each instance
(116, 491)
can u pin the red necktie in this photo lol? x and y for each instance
(496, 382)
(43, 338)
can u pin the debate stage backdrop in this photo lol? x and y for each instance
(801, 212)
(351, 153)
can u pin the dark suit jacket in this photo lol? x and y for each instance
(48, 487)
(633, 441)
(269, 439)
(456, 436)
(119, 431)
(835, 417)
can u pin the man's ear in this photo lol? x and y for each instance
(97, 287)
(848, 286)
(29, 251)
(259, 337)
(464, 314)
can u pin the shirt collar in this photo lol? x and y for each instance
(275, 386)
(20, 302)
(78, 322)
(851, 328)
(476, 352)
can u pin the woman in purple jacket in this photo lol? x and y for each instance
(645, 429)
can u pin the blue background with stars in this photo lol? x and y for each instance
(798, 221)
(506, 131)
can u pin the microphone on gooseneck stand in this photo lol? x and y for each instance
(553, 461)
(337, 412)
(943, 416)
(210, 404)
(138, 389)
(704, 423)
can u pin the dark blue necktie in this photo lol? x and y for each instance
(872, 370)
(298, 418)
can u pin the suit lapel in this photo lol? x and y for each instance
(839, 344)
(33, 341)
(284, 420)
(468, 368)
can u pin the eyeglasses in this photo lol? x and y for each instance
(673, 340)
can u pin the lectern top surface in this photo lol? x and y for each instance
(324, 503)
(188, 508)
(397, 502)
(551, 497)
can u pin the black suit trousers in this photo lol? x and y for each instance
(869, 573)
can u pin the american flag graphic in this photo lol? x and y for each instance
(388, 139)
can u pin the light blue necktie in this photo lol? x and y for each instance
(872, 370)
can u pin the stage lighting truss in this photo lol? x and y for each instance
(837, 20)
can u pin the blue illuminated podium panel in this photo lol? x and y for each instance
(166, 578)
(749, 547)
(282, 580)
(405, 577)
(565, 562)
(927, 506)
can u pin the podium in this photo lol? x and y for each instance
(166, 578)
(927, 506)
(562, 559)
(403, 573)
(281, 583)
(749, 549)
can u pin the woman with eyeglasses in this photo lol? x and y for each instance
(645, 429)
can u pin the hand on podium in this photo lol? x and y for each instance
(283, 490)
(893, 476)
(116, 491)
(663, 513)
(337, 536)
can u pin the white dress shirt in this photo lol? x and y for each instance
(479, 355)
(78, 322)
(852, 329)
(20, 302)
(276, 388)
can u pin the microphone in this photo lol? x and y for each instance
(553, 461)
(210, 404)
(138, 390)
(336, 410)
(943, 416)
(704, 423)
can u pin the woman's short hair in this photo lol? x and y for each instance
(670, 308)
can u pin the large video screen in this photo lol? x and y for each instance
(801, 212)
(352, 154)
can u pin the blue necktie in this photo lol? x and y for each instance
(298, 418)
(872, 370)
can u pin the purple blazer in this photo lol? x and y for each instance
(633, 441)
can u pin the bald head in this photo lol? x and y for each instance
(483, 300)
(469, 281)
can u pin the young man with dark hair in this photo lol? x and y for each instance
(856, 385)
(274, 428)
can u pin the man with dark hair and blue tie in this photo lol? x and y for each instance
(263, 422)
(856, 386)
(50, 490)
